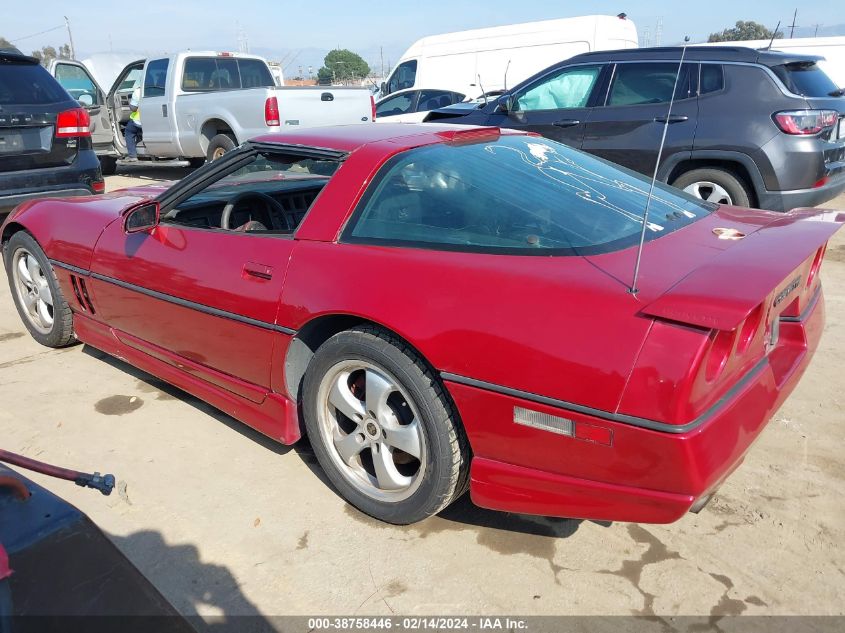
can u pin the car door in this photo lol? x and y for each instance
(196, 296)
(628, 128)
(557, 106)
(156, 118)
(76, 79)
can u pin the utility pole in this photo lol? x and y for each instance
(658, 31)
(381, 54)
(70, 37)
(816, 33)
(792, 28)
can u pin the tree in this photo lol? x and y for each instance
(4, 43)
(744, 30)
(342, 65)
(48, 53)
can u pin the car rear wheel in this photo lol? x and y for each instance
(219, 145)
(714, 185)
(36, 292)
(383, 428)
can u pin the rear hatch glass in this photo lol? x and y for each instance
(30, 101)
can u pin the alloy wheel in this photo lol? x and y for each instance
(709, 191)
(33, 290)
(372, 430)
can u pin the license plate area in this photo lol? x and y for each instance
(25, 140)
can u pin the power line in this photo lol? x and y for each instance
(26, 37)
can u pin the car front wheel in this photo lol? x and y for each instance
(383, 428)
(36, 292)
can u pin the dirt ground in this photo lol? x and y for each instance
(224, 521)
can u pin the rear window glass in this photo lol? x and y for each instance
(515, 195)
(209, 74)
(712, 79)
(805, 78)
(28, 84)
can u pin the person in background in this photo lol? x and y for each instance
(133, 128)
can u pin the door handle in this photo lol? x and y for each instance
(258, 271)
(675, 118)
(164, 110)
(567, 123)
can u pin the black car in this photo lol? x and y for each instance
(748, 127)
(45, 137)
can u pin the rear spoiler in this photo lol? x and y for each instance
(722, 293)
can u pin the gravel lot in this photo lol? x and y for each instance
(224, 521)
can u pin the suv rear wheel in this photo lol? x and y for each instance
(714, 184)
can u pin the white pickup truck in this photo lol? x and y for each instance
(196, 106)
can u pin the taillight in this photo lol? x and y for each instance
(73, 123)
(816, 265)
(99, 186)
(373, 107)
(750, 327)
(720, 349)
(271, 112)
(805, 122)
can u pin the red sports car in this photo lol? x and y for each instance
(442, 308)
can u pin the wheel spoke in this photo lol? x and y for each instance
(44, 313)
(405, 437)
(378, 390)
(23, 271)
(29, 301)
(342, 399)
(34, 269)
(348, 446)
(387, 475)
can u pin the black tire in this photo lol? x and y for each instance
(196, 162)
(738, 192)
(108, 165)
(218, 146)
(445, 475)
(60, 334)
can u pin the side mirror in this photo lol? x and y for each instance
(85, 99)
(504, 105)
(144, 217)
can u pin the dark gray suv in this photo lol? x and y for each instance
(748, 127)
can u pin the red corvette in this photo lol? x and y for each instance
(442, 308)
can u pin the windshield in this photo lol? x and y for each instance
(516, 195)
(806, 79)
(272, 169)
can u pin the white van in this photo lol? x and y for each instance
(488, 60)
(831, 48)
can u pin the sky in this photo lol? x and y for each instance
(284, 31)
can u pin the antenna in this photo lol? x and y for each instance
(634, 290)
(483, 93)
(774, 35)
(506, 75)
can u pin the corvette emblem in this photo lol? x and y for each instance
(728, 234)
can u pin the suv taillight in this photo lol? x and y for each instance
(73, 123)
(805, 122)
(373, 107)
(271, 112)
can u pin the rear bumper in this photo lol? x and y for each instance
(786, 200)
(76, 179)
(641, 475)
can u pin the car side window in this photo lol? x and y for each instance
(155, 78)
(78, 83)
(650, 83)
(400, 104)
(433, 99)
(568, 88)
(403, 77)
(712, 79)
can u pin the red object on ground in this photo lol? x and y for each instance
(665, 390)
